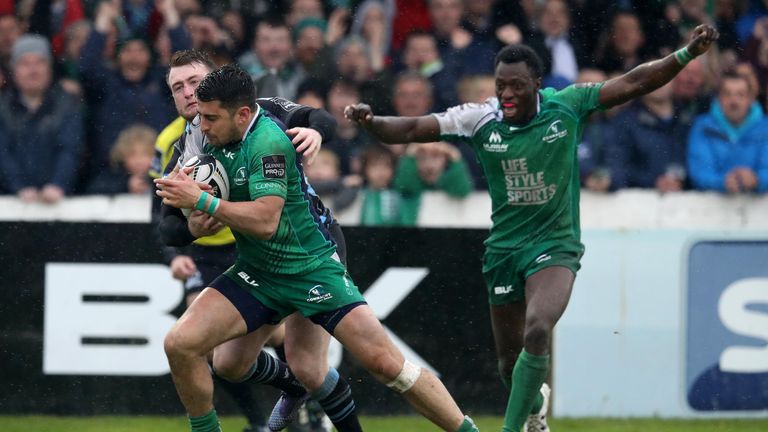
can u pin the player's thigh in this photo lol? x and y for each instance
(209, 321)
(306, 349)
(548, 292)
(364, 337)
(234, 358)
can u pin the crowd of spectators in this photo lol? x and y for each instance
(82, 88)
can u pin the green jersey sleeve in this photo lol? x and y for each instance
(269, 161)
(582, 98)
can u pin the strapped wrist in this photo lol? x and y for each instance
(213, 207)
(201, 202)
(683, 56)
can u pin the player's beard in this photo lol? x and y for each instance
(231, 136)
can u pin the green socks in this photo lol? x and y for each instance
(205, 423)
(468, 426)
(529, 373)
(507, 381)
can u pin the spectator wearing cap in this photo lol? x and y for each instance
(134, 91)
(41, 130)
(373, 21)
(728, 147)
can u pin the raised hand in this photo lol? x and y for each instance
(702, 38)
(359, 113)
(106, 14)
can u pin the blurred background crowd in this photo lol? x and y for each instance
(83, 94)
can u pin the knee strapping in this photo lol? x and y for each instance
(406, 379)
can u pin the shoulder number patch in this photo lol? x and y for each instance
(273, 166)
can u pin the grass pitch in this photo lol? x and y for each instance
(372, 424)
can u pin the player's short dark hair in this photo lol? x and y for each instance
(186, 57)
(516, 53)
(230, 85)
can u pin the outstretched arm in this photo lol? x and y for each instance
(649, 76)
(394, 130)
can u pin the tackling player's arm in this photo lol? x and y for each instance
(294, 115)
(394, 130)
(308, 127)
(173, 227)
(651, 75)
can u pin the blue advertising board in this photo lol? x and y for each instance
(726, 360)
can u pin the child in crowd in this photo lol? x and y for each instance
(130, 160)
(324, 175)
(381, 206)
(434, 166)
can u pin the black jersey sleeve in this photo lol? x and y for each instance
(173, 227)
(294, 115)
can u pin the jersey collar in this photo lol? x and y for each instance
(253, 122)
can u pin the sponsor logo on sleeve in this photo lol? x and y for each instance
(286, 105)
(273, 166)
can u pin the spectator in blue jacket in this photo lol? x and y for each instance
(41, 130)
(134, 91)
(649, 150)
(728, 147)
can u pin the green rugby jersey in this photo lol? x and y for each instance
(263, 164)
(532, 171)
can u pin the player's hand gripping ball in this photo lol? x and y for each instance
(206, 169)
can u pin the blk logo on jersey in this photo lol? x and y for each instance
(555, 131)
(726, 361)
(273, 166)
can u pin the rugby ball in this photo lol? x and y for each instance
(206, 169)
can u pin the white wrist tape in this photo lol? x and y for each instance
(406, 379)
